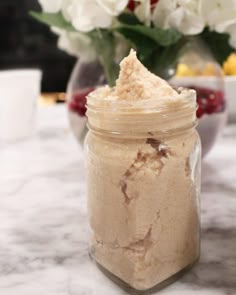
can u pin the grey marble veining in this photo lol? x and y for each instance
(44, 230)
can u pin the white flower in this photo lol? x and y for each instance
(51, 6)
(162, 13)
(231, 30)
(86, 15)
(75, 43)
(219, 14)
(55, 6)
(182, 15)
(113, 7)
(143, 11)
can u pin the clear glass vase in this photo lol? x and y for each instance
(198, 69)
(85, 77)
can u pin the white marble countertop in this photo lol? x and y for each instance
(43, 226)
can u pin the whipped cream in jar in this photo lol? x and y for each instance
(143, 161)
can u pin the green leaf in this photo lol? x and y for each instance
(143, 45)
(157, 49)
(164, 59)
(160, 36)
(104, 42)
(218, 44)
(52, 19)
(127, 18)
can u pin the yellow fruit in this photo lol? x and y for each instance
(184, 70)
(229, 66)
(210, 70)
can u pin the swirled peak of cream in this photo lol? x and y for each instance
(135, 82)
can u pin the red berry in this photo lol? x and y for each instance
(209, 101)
(78, 101)
(154, 2)
(199, 112)
(131, 5)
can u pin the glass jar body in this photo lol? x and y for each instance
(143, 205)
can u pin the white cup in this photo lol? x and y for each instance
(19, 91)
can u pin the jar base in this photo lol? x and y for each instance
(126, 287)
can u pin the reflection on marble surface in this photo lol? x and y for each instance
(43, 225)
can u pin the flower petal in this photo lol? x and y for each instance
(113, 7)
(51, 6)
(86, 15)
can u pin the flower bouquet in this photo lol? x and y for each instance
(103, 31)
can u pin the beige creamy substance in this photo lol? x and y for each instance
(142, 198)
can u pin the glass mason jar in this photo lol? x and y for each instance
(143, 163)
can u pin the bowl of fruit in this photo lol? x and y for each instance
(212, 107)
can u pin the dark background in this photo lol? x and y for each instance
(25, 43)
